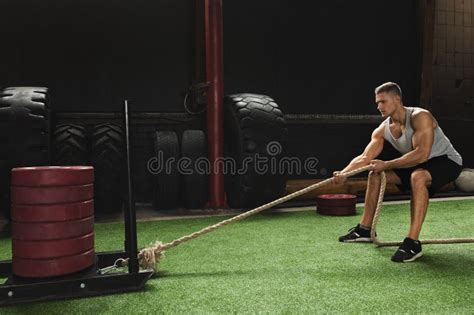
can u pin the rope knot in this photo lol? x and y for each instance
(149, 258)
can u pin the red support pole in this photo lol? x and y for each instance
(215, 97)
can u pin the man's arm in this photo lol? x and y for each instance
(422, 140)
(372, 150)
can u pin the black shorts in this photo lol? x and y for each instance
(442, 169)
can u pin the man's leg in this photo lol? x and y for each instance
(361, 232)
(410, 249)
(372, 194)
(420, 181)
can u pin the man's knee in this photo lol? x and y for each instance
(420, 178)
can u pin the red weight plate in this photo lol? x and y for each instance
(336, 200)
(44, 268)
(52, 176)
(337, 196)
(51, 195)
(52, 249)
(336, 211)
(43, 231)
(52, 213)
(335, 203)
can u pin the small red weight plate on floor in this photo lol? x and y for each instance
(336, 211)
(44, 268)
(336, 200)
(336, 203)
(52, 176)
(43, 231)
(51, 195)
(52, 213)
(337, 196)
(52, 249)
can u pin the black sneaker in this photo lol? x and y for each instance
(408, 251)
(356, 234)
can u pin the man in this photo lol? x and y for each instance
(426, 162)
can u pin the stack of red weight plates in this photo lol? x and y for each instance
(52, 220)
(336, 204)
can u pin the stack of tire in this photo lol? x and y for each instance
(25, 123)
(254, 128)
(175, 181)
(101, 146)
(52, 220)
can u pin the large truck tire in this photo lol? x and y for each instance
(195, 184)
(25, 132)
(5, 176)
(70, 145)
(108, 159)
(167, 154)
(25, 126)
(254, 127)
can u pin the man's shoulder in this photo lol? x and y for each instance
(418, 111)
(379, 131)
(421, 116)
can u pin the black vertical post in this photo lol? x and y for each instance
(130, 216)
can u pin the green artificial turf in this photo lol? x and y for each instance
(292, 263)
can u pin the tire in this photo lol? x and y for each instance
(24, 133)
(5, 172)
(195, 187)
(70, 145)
(25, 118)
(35, 99)
(5, 176)
(254, 124)
(166, 188)
(108, 159)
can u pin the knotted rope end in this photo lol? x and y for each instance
(149, 258)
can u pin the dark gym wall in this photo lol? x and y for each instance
(453, 60)
(453, 73)
(313, 57)
(322, 56)
(93, 54)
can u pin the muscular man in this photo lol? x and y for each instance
(425, 161)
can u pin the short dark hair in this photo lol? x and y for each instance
(389, 87)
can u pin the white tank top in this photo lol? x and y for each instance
(441, 144)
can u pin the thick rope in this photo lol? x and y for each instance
(149, 257)
(375, 220)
